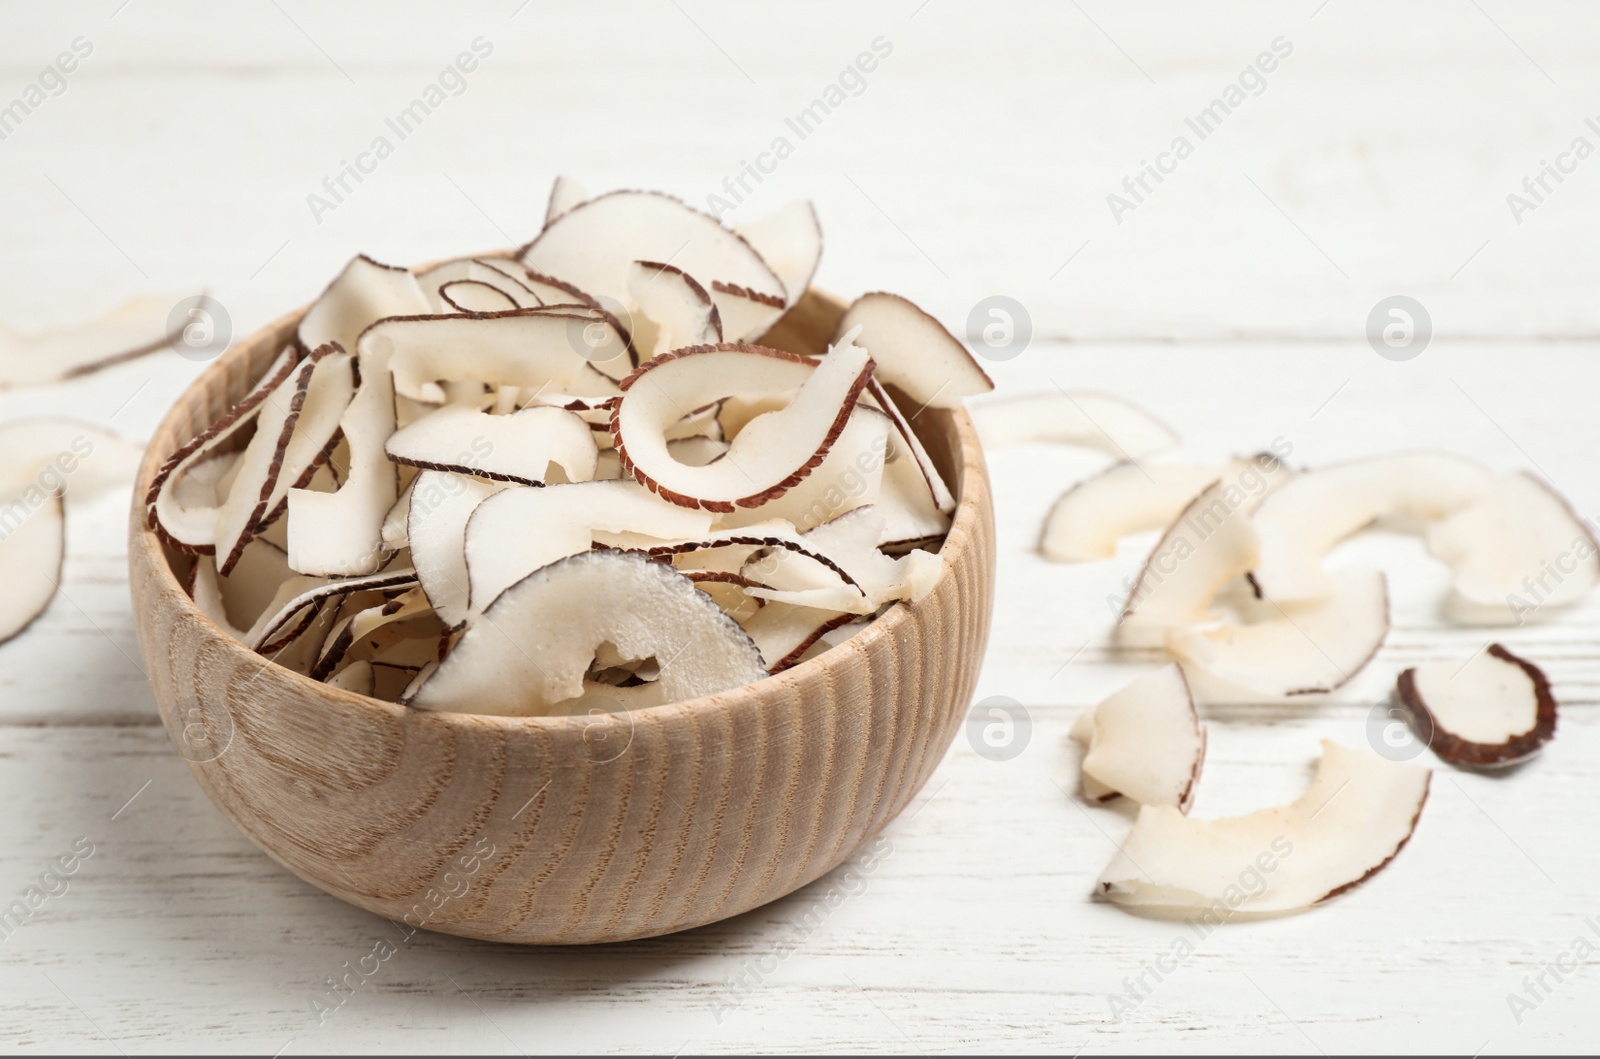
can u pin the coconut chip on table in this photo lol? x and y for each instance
(1238, 593)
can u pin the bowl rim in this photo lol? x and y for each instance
(965, 522)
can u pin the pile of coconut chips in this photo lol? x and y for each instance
(1237, 594)
(567, 477)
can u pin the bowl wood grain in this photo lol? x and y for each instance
(570, 830)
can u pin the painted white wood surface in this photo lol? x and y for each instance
(976, 161)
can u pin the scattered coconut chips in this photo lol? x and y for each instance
(43, 462)
(569, 478)
(1236, 590)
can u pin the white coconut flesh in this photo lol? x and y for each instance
(1079, 418)
(527, 347)
(695, 451)
(679, 309)
(296, 648)
(1518, 548)
(1090, 519)
(593, 244)
(1309, 647)
(477, 296)
(359, 677)
(851, 475)
(533, 645)
(301, 594)
(849, 544)
(847, 629)
(914, 352)
(435, 443)
(1495, 709)
(341, 533)
(363, 625)
(1210, 543)
(1355, 816)
(771, 454)
(1303, 520)
(252, 586)
(783, 632)
(364, 292)
(186, 501)
(294, 429)
(1145, 742)
(728, 591)
(565, 193)
(519, 447)
(553, 293)
(943, 499)
(911, 512)
(190, 523)
(789, 240)
(744, 311)
(32, 545)
(137, 327)
(520, 530)
(490, 286)
(436, 529)
(487, 286)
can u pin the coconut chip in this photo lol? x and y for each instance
(1494, 710)
(533, 645)
(138, 327)
(1091, 420)
(1352, 820)
(1089, 519)
(770, 455)
(474, 446)
(1145, 742)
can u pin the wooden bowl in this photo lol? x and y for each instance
(561, 830)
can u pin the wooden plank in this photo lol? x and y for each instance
(973, 927)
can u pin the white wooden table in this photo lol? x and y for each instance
(977, 160)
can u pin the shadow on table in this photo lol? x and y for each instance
(175, 881)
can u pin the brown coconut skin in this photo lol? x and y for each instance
(1458, 751)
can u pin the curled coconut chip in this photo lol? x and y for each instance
(1209, 544)
(1089, 519)
(31, 550)
(1092, 420)
(500, 551)
(474, 447)
(1495, 710)
(138, 327)
(771, 454)
(365, 291)
(681, 311)
(1514, 551)
(1301, 522)
(1278, 650)
(565, 193)
(562, 613)
(594, 243)
(1358, 812)
(789, 240)
(1288, 650)
(520, 447)
(1236, 590)
(914, 352)
(1144, 742)
(42, 462)
(294, 431)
